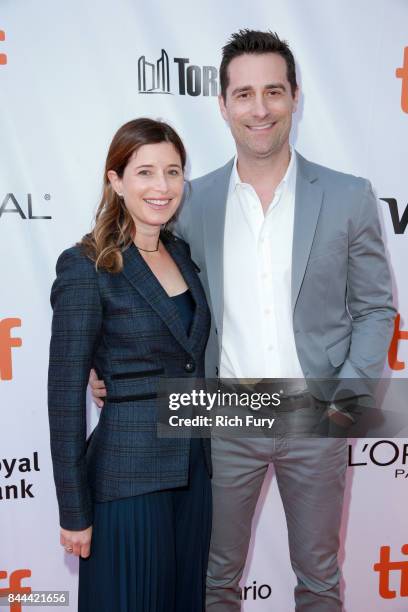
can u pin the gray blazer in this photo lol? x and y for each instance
(341, 285)
(125, 326)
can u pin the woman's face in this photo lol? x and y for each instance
(152, 184)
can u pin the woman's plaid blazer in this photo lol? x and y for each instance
(125, 326)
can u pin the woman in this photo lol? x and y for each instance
(135, 508)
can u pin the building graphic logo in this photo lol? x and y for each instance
(154, 78)
(3, 56)
(385, 566)
(7, 342)
(402, 73)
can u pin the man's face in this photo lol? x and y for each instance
(259, 104)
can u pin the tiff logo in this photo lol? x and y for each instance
(3, 56)
(385, 566)
(15, 586)
(402, 73)
(7, 342)
(154, 78)
(399, 334)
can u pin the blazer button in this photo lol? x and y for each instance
(189, 366)
(216, 371)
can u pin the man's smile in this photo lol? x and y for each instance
(261, 127)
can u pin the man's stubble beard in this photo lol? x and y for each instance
(275, 147)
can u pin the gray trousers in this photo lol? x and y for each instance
(310, 475)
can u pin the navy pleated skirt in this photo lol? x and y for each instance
(149, 553)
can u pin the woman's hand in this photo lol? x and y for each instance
(77, 542)
(98, 388)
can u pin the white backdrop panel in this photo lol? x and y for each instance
(71, 79)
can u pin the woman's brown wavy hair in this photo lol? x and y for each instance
(114, 228)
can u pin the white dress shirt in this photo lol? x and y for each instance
(258, 339)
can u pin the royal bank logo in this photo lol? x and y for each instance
(12, 486)
(155, 77)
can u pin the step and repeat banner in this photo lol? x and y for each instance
(70, 74)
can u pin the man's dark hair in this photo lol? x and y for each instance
(256, 42)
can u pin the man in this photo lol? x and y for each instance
(293, 265)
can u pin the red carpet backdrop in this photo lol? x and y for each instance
(70, 74)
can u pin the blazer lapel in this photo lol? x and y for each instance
(187, 269)
(138, 273)
(214, 223)
(308, 201)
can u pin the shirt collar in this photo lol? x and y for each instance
(288, 179)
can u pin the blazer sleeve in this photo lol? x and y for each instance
(76, 325)
(369, 301)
